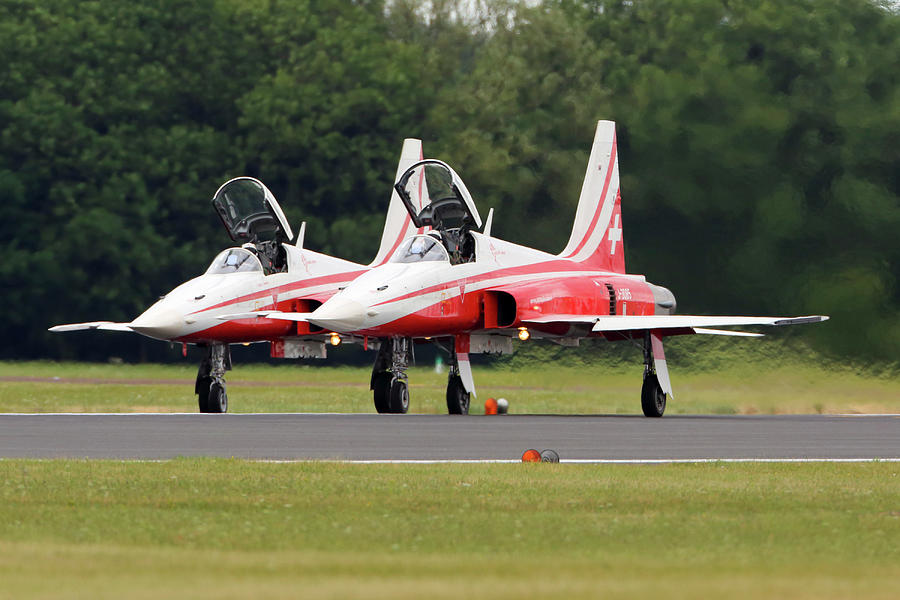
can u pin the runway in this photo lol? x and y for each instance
(371, 437)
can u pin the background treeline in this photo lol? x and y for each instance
(759, 143)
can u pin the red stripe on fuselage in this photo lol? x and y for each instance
(551, 266)
(242, 331)
(280, 289)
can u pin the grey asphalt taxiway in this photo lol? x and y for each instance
(371, 437)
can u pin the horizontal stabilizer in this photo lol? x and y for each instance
(801, 320)
(266, 314)
(625, 323)
(698, 322)
(104, 325)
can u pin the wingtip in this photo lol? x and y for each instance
(802, 320)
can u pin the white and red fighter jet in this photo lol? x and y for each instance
(477, 292)
(266, 272)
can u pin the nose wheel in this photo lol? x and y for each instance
(215, 400)
(399, 400)
(212, 396)
(391, 394)
(389, 386)
(381, 388)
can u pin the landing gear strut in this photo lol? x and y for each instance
(457, 396)
(389, 382)
(210, 386)
(653, 398)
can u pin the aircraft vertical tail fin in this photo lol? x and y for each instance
(596, 238)
(398, 225)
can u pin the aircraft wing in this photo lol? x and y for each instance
(266, 314)
(105, 325)
(698, 323)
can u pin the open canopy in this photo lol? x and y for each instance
(436, 197)
(250, 212)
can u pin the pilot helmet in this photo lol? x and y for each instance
(418, 246)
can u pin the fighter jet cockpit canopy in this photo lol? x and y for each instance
(252, 216)
(420, 248)
(436, 197)
(234, 260)
(250, 212)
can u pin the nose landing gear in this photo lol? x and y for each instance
(212, 396)
(389, 381)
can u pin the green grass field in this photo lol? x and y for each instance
(212, 528)
(765, 386)
(209, 528)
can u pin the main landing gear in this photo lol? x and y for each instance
(457, 397)
(653, 398)
(210, 385)
(389, 382)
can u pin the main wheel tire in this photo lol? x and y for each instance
(399, 399)
(457, 397)
(218, 398)
(653, 399)
(202, 390)
(382, 392)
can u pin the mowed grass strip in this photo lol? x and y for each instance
(760, 387)
(227, 528)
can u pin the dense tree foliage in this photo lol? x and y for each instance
(760, 143)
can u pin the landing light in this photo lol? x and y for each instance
(335, 339)
(523, 333)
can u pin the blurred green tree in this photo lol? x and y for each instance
(759, 143)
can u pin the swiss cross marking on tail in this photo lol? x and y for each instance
(615, 235)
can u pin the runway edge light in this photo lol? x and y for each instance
(490, 406)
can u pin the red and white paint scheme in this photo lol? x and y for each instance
(479, 292)
(271, 270)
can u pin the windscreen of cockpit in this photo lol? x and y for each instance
(418, 249)
(234, 260)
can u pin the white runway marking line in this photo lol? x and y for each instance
(172, 414)
(485, 461)
(865, 415)
(586, 461)
(304, 414)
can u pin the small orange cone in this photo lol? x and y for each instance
(531, 455)
(490, 406)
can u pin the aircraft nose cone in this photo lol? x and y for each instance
(160, 322)
(344, 316)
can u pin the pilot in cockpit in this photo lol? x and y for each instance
(271, 255)
(459, 244)
(419, 247)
